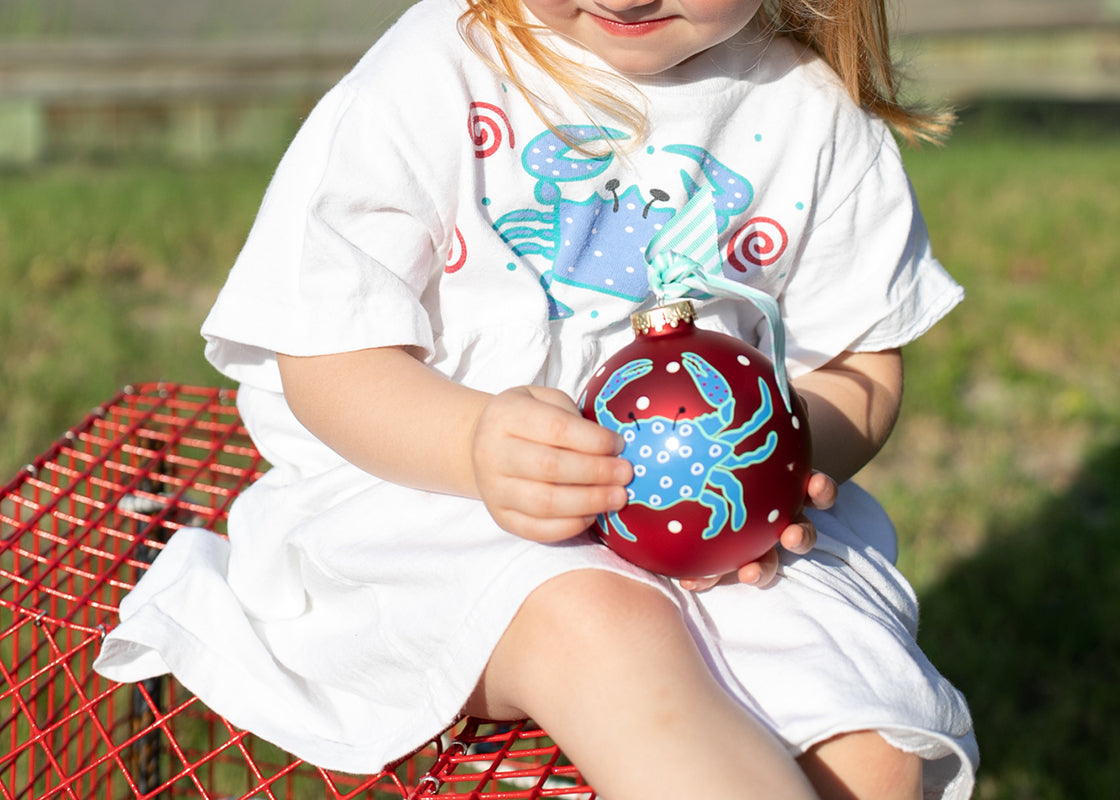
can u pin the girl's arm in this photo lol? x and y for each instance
(853, 403)
(543, 471)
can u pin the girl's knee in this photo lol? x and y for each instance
(566, 623)
(862, 766)
(593, 604)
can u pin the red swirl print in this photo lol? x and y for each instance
(488, 126)
(761, 242)
(457, 255)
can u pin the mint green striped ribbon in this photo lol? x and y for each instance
(684, 258)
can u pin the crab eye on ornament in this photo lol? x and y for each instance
(721, 463)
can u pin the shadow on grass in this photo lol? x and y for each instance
(1029, 629)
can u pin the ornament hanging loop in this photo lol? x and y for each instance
(684, 260)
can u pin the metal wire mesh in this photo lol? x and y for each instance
(78, 527)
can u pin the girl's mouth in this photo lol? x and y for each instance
(631, 29)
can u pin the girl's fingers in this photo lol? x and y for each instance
(553, 465)
(822, 491)
(538, 500)
(556, 421)
(760, 573)
(699, 584)
(800, 537)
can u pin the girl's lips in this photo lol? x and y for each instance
(631, 29)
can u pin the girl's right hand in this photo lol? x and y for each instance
(542, 469)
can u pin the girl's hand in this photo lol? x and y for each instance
(799, 538)
(543, 471)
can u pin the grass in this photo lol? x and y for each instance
(109, 271)
(1003, 473)
(1001, 476)
(1006, 394)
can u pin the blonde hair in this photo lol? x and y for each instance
(851, 36)
(594, 90)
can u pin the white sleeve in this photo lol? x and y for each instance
(340, 253)
(348, 244)
(866, 279)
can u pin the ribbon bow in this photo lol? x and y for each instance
(684, 257)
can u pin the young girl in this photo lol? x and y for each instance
(451, 246)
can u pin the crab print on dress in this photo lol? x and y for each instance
(720, 468)
(589, 228)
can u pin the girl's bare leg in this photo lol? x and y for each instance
(862, 766)
(606, 666)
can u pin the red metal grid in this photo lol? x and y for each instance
(78, 526)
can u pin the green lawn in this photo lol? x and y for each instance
(1002, 475)
(109, 271)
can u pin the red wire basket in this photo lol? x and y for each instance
(78, 527)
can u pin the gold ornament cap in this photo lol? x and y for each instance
(663, 318)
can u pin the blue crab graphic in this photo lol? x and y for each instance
(598, 242)
(677, 461)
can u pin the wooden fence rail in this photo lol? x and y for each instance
(95, 71)
(185, 99)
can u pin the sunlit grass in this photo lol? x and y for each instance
(1007, 393)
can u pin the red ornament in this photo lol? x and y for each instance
(720, 465)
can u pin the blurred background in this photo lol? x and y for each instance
(137, 137)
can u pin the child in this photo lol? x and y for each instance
(450, 247)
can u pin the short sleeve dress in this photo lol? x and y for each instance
(425, 204)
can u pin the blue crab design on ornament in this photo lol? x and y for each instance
(692, 460)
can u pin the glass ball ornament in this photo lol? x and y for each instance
(721, 465)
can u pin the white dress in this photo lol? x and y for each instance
(425, 204)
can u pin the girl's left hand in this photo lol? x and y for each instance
(799, 538)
